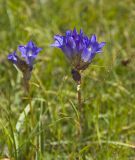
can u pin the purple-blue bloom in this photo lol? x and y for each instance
(25, 64)
(78, 48)
(13, 57)
(29, 52)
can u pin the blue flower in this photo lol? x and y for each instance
(29, 52)
(13, 57)
(78, 48)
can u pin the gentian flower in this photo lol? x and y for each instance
(13, 57)
(78, 48)
(28, 53)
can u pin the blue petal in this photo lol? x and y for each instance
(86, 55)
(75, 32)
(58, 41)
(13, 57)
(80, 46)
(23, 51)
(56, 44)
(30, 60)
(35, 53)
(38, 50)
(93, 38)
(81, 32)
(67, 51)
(71, 42)
(68, 33)
(98, 47)
(30, 45)
(102, 44)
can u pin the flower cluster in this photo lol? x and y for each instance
(28, 53)
(78, 48)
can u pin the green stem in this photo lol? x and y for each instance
(79, 95)
(79, 105)
(31, 109)
(27, 89)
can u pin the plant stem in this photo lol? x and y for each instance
(76, 75)
(32, 120)
(26, 78)
(27, 88)
(79, 95)
(31, 109)
(79, 105)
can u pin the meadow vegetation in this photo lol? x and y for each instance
(108, 85)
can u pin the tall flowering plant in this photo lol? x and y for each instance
(80, 51)
(25, 64)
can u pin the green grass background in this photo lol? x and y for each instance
(108, 86)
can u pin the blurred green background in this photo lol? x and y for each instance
(108, 87)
